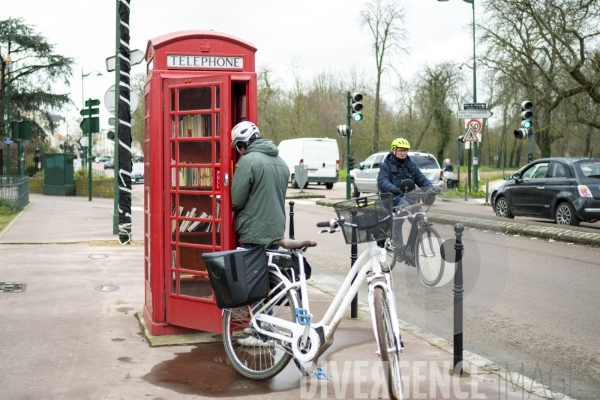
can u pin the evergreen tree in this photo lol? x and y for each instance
(35, 68)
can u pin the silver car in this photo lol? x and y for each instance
(364, 176)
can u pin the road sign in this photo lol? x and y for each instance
(92, 103)
(7, 141)
(83, 141)
(471, 114)
(90, 125)
(136, 57)
(470, 136)
(111, 121)
(109, 100)
(476, 124)
(474, 106)
(89, 111)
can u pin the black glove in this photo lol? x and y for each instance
(396, 191)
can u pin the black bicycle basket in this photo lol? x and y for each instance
(366, 219)
(238, 277)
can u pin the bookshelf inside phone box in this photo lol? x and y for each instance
(199, 85)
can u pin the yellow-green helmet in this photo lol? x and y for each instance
(401, 142)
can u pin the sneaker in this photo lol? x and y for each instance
(248, 331)
(251, 341)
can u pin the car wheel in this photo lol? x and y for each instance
(329, 185)
(502, 208)
(355, 192)
(565, 215)
(294, 183)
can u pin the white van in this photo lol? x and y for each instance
(320, 155)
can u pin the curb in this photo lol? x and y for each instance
(15, 219)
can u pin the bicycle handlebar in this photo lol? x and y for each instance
(325, 224)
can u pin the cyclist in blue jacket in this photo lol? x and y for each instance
(396, 167)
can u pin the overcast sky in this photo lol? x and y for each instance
(318, 35)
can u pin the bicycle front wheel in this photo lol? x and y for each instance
(388, 348)
(261, 357)
(428, 255)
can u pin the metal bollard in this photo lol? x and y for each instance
(458, 304)
(292, 219)
(487, 191)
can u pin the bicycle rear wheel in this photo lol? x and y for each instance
(428, 255)
(270, 356)
(388, 348)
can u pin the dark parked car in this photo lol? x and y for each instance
(137, 172)
(109, 164)
(565, 189)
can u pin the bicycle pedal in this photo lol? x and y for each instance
(321, 374)
(302, 316)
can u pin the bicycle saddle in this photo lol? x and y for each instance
(295, 244)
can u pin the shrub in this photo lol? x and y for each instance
(30, 170)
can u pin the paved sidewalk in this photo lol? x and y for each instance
(62, 338)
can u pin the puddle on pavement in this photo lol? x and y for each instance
(206, 370)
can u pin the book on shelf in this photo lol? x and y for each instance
(194, 225)
(186, 224)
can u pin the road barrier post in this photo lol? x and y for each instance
(458, 305)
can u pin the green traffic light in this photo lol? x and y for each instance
(526, 124)
(357, 117)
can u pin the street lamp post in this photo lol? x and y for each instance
(98, 73)
(8, 63)
(475, 155)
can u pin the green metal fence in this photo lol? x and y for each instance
(14, 192)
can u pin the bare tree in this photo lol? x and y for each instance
(385, 20)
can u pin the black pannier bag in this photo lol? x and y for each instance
(287, 265)
(238, 277)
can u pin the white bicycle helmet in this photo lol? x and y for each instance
(447, 162)
(243, 132)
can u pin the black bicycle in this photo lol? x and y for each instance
(423, 249)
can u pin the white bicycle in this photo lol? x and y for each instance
(283, 323)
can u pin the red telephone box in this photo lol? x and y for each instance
(199, 84)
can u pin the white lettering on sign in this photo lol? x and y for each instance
(205, 62)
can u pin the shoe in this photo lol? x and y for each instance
(248, 331)
(251, 341)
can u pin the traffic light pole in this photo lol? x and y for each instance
(354, 246)
(475, 153)
(89, 150)
(348, 118)
(116, 138)
(8, 133)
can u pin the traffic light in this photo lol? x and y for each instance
(526, 120)
(110, 135)
(351, 161)
(343, 130)
(356, 106)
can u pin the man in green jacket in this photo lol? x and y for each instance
(258, 187)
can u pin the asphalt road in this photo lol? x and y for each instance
(529, 304)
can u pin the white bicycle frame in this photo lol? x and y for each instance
(369, 261)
